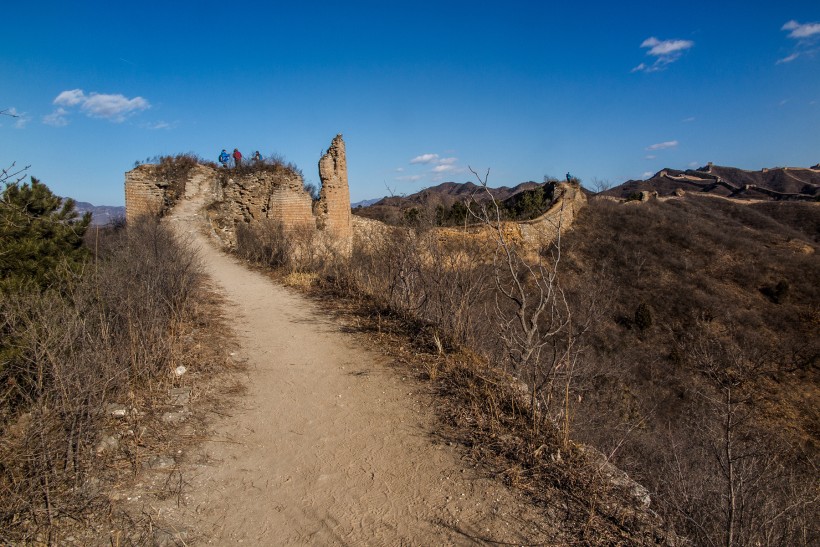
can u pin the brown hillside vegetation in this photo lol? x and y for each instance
(702, 378)
(445, 204)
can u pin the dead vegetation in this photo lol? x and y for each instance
(676, 338)
(500, 342)
(87, 386)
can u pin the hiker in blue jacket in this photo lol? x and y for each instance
(223, 158)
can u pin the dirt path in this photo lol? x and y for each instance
(330, 447)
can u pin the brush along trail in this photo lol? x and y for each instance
(329, 445)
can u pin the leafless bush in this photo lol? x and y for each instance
(293, 250)
(100, 340)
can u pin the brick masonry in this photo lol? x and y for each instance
(274, 192)
(144, 194)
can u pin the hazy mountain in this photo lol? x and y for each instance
(101, 214)
(365, 202)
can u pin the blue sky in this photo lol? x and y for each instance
(420, 90)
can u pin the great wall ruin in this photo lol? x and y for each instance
(275, 192)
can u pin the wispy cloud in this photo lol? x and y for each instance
(807, 36)
(665, 53)
(159, 125)
(801, 31)
(647, 174)
(651, 156)
(688, 120)
(425, 158)
(434, 165)
(114, 107)
(57, 118)
(662, 145)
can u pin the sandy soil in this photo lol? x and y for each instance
(330, 445)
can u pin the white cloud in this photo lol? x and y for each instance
(801, 31)
(70, 98)
(425, 158)
(664, 51)
(694, 164)
(400, 169)
(56, 118)
(689, 119)
(651, 156)
(113, 107)
(435, 166)
(806, 34)
(647, 174)
(662, 145)
(660, 48)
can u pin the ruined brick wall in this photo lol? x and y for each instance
(277, 194)
(262, 192)
(333, 210)
(144, 194)
(530, 236)
(567, 201)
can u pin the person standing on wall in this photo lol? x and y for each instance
(223, 158)
(257, 156)
(237, 158)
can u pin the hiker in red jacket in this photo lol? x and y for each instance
(237, 158)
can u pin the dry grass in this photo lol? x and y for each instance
(114, 337)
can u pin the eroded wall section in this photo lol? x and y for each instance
(333, 214)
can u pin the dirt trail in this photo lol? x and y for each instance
(330, 446)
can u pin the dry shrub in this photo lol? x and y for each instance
(105, 337)
(269, 243)
(681, 271)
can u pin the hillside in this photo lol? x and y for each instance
(441, 198)
(708, 317)
(779, 183)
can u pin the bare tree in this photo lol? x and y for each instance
(731, 482)
(534, 319)
(600, 185)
